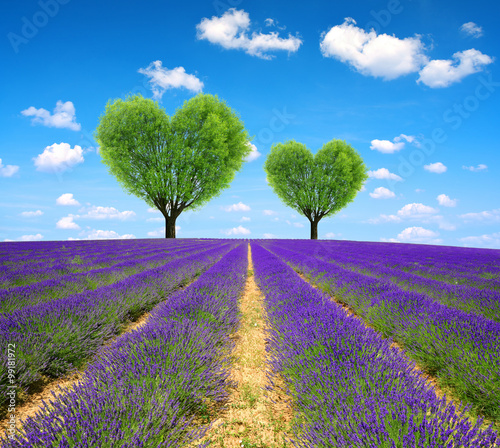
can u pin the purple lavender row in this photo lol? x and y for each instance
(351, 388)
(461, 349)
(56, 288)
(146, 388)
(52, 338)
(485, 302)
(476, 267)
(80, 260)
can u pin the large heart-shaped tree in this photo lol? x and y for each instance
(177, 162)
(315, 186)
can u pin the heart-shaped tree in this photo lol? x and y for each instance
(172, 162)
(315, 186)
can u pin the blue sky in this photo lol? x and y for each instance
(412, 85)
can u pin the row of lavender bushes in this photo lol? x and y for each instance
(468, 298)
(153, 387)
(57, 288)
(461, 349)
(53, 338)
(80, 259)
(349, 386)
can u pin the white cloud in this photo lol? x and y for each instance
(419, 190)
(269, 212)
(446, 201)
(437, 168)
(98, 212)
(107, 235)
(63, 116)
(444, 72)
(239, 207)
(67, 199)
(162, 79)
(384, 218)
(269, 236)
(298, 224)
(416, 210)
(240, 230)
(373, 55)
(419, 235)
(153, 210)
(485, 216)
(384, 173)
(382, 193)
(255, 154)
(8, 170)
(31, 214)
(332, 235)
(161, 231)
(488, 240)
(58, 158)
(480, 167)
(155, 219)
(245, 219)
(471, 29)
(67, 223)
(36, 237)
(388, 147)
(230, 32)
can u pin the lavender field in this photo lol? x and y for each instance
(375, 344)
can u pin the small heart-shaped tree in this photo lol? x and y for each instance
(315, 186)
(177, 162)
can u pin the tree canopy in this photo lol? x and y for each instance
(315, 186)
(177, 162)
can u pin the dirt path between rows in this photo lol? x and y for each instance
(253, 417)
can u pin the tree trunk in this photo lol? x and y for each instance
(314, 230)
(170, 227)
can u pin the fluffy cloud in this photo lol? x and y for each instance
(332, 235)
(485, 216)
(418, 235)
(416, 210)
(269, 212)
(446, 201)
(63, 116)
(67, 223)
(384, 173)
(162, 79)
(255, 154)
(58, 158)
(444, 72)
(388, 147)
(31, 214)
(382, 219)
(245, 219)
(382, 193)
(67, 199)
(240, 230)
(98, 212)
(239, 207)
(480, 167)
(471, 29)
(298, 224)
(36, 237)
(269, 236)
(107, 235)
(373, 55)
(437, 168)
(230, 32)
(8, 170)
(159, 219)
(161, 232)
(491, 241)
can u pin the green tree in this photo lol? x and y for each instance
(315, 186)
(177, 162)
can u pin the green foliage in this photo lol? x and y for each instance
(315, 186)
(172, 162)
